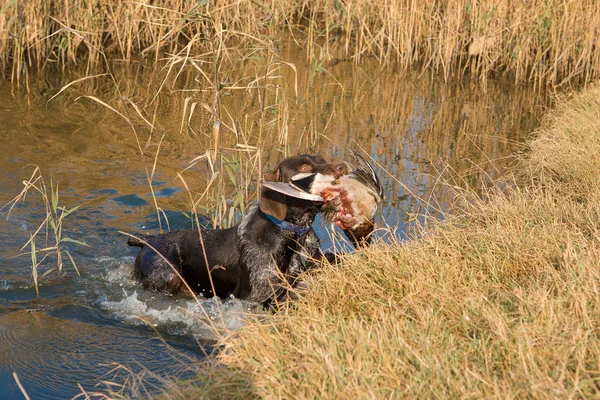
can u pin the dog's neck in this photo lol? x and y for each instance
(288, 226)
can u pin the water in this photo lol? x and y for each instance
(101, 329)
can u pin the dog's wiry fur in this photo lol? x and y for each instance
(252, 260)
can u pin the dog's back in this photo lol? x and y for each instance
(182, 251)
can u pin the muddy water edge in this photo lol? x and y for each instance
(99, 329)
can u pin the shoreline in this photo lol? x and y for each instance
(499, 300)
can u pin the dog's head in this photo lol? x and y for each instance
(291, 201)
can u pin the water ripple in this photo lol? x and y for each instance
(52, 355)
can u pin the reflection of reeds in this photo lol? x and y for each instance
(544, 42)
(273, 106)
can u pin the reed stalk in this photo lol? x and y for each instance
(51, 227)
(546, 42)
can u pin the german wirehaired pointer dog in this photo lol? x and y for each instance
(254, 260)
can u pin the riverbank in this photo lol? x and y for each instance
(499, 300)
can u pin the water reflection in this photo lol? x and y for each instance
(52, 355)
(414, 127)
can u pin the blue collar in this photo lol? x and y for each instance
(288, 226)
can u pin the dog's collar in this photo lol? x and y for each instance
(288, 226)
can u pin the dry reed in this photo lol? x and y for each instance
(546, 42)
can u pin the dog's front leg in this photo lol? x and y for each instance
(266, 281)
(306, 257)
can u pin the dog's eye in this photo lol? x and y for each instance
(305, 168)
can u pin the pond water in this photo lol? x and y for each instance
(99, 329)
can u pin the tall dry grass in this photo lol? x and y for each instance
(500, 300)
(547, 42)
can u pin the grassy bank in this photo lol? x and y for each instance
(549, 42)
(500, 300)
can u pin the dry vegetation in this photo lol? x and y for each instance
(549, 42)
(501, 300)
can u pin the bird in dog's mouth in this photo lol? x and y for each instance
(350, 201)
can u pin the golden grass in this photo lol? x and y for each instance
(500, 300)
(547, 42)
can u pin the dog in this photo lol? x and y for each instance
(254, 260)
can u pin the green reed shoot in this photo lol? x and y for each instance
(51, 228)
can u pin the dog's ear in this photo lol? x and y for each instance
(273, 203)
(274, 176)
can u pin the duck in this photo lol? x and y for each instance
(351, 201)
